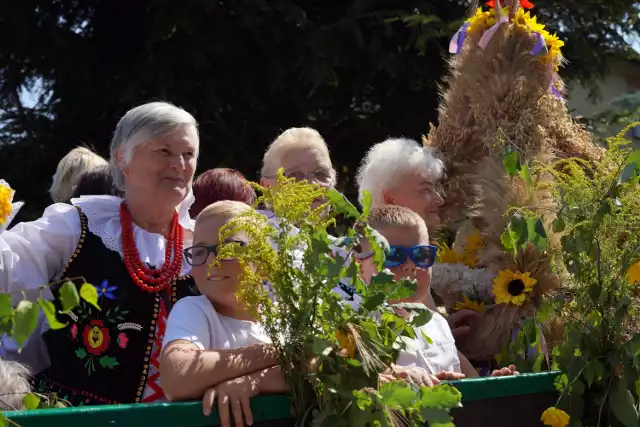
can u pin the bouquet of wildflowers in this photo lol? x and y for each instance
(330, 351)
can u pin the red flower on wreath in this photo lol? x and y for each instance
(96, 337)
(525, 4)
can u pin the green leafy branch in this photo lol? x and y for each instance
(20, 322)
(330, 352)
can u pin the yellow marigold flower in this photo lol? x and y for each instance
(554, 417)
(470, 260)
(467, 304)
(347, 342)
(633, 274)
(447, 255)
(6, 195)
(511, 287)
(475, 241)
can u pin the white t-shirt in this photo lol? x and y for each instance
(194, 319)
(440, 356)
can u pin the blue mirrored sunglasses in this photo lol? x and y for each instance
(423, 256)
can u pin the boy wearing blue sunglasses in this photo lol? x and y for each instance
(411, 256)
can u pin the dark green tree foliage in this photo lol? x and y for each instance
(357, 70)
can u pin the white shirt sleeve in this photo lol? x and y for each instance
(188, 321)
(33, 253)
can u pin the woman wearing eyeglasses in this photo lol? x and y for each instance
(304, 156)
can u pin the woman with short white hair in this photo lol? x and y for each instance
(129, 248)
(69, 171)
(401, 172)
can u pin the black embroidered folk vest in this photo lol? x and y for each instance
(103, 356)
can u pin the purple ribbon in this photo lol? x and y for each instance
(455, 45)
(486, 37)
(540, 47)
(552, 87)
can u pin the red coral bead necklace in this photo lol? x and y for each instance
(147, 278)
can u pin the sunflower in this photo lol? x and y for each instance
(555, 417)
(511, 287)
(6, 195)
(529, 23)
(467, 304)
(481, 20)
(553, 46)
(633, 274)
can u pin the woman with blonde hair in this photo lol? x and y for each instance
(129, 249)
(69, 171)
(303, 154)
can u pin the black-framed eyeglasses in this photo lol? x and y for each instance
(198, 255)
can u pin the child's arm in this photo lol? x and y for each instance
(188, 367)
(187, 372)
(466, 367)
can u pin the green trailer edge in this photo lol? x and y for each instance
(264, 408)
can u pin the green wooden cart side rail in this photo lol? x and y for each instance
(264, 408)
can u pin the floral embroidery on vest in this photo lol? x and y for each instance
(101, 331)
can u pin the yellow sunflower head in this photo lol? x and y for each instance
(633, 274)
(527, 22)
(511, 287)
(553, 46)
(467, 304)
(481, 20)
(554, 417)
(6, 195)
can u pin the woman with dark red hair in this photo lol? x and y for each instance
(220, 184)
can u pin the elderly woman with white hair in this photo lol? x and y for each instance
(130, 249)
(401, 172)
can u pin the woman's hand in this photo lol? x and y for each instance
(237, 393)
(450, 375)
(505, 372)
(460, 321)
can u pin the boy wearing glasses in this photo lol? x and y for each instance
(410, 256)
(212, 345)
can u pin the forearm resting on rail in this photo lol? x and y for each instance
(187, 372)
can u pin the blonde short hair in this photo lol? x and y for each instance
(69, 170)
(395, 216)
(293, 138)
(14, 385)
(223, 209)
